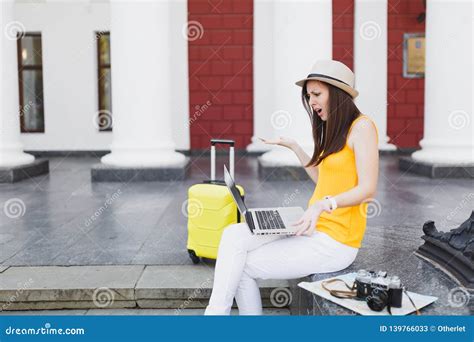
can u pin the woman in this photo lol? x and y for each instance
(344, 167)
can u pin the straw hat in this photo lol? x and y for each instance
(332, 72)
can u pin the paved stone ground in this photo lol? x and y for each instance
(144, 223)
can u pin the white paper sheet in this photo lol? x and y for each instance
(360, 306)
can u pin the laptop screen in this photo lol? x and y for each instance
(234, 191)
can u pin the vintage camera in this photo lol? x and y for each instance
(378, 289)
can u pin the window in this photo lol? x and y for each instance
(104, 118)
(30, 79)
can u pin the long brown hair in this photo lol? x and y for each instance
(330, 136)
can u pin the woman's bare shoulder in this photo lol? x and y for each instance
(363, 128)
(364, 122)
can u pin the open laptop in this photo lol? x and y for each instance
(265, 221)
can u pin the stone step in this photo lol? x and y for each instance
(132, 312)
(178, 287)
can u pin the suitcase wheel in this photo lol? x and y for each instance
(193, 256)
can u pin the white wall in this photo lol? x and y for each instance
(70, 73)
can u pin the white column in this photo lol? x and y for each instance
(141, 78)
(11, 150)
(302, 34)
(180, 75)
(370, 63)
(448, 122)
(262, 72)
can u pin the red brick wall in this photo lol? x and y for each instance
(405, 96)
(220, 71)
(343, 31)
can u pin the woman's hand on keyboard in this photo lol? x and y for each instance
(307, 223)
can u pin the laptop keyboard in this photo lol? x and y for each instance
(269, 219)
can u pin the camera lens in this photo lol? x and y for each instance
(378, 300)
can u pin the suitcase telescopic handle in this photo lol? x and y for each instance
(231, 144)
(222, 142)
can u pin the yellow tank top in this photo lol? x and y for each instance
(337, 174)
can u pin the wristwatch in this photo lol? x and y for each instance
(332, 201)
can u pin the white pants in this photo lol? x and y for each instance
(243, 257)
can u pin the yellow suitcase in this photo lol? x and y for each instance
(210, 210)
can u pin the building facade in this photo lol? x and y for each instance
(160, 76)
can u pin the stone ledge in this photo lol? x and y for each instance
(302, 300)
(107, 173)
(192, 283)
(390, 152)
(417, 275)
(63, 305)
(433, 170)
(68, 153)
(140, 286)
(17, 173)
(67, 283)
(132, 312)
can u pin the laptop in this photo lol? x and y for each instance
(265, 221)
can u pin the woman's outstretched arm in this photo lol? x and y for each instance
(312, 171)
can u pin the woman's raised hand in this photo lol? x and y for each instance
(281, 141)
